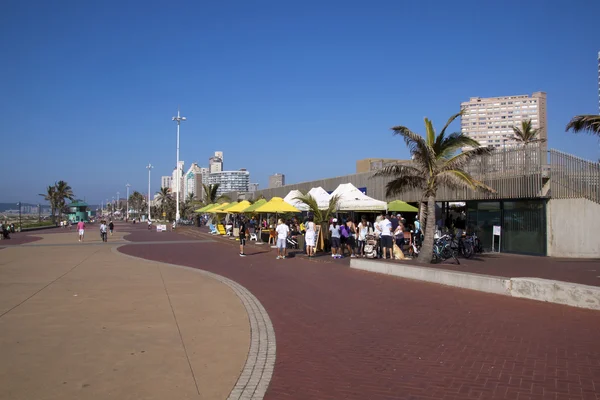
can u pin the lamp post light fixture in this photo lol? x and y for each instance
(178, 119)
(127, 203)
(149, 167)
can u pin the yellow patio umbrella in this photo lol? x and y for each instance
(218, 207)
(239, 207)
(225, 209)
(278, 206)
(252, 208)
(399, 205)
(206, 208)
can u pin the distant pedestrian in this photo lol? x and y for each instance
(282, 233)
(103, 231)
(242, 233)
(310, 238)
(334, 230)
(81, 230)
(111, 227)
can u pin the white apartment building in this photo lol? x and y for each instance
(230, 181)
(165, 182)
(215, 163)
(252, 187)
(490, 120)
(192, 182)
(177, 174)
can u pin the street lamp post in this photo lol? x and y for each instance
(149, 167)
(39, 213)
(127, 203)
(112, 208)
(20, 228)
(178, 118)
(118, 204)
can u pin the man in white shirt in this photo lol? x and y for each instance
(387, 241)
(282, 233)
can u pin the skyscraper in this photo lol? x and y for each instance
(490, 120)
(599, 82)
(165, 182)
(192, 182)
(276, 180)
(177, 174)
(230, 181)
(215, 163)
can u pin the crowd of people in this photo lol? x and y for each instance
(6, 229)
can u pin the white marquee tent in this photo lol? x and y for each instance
(352, 199)
(290, 199)
(321, 196)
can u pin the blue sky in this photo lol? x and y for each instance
(304, 88)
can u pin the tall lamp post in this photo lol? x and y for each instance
(178, 118)
(112, 208)
(118, 202)
(127, 203)
(39, 213)
(149, 167)
(19, 204)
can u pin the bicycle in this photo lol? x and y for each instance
(442, 249)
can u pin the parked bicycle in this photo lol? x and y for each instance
(442, 249)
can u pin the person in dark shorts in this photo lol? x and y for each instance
(242, 230)
(111, 227)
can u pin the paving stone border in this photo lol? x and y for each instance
(256, 375)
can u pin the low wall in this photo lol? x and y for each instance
(572, 227)
(570, 294)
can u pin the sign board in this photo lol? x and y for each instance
(319, 238)
(496, 231)
(161, 228)
(164, 214)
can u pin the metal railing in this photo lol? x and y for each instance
(573, 177)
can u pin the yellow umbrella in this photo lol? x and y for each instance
(277, 205)
(225, 210)
(239, 207)
(218, 207)
(254, 206)
(206, 208)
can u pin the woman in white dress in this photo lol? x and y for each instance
(310, 238)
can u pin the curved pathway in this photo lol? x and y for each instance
(78, 320)
(348, 334)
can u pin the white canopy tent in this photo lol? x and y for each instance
(290, 199)
(352, 199)
(321, 196)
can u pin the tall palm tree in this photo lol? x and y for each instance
(50, 197)
(437, 162)
(526, 133)
(585, 123)
(62, 192)
(136, 201)
(165, 201)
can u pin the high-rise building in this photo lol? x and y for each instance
(599, 82)
(276, 180)
(252, 187)
(165, 182)
(230, 181)
(192, 182)
(490, 120)
(215, 163)
(177, 174)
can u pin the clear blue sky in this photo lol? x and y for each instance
(305, 88)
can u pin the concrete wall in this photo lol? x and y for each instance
(573, 228)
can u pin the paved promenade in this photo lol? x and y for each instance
(82, 321)
(348, 334)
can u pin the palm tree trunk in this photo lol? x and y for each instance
(426, 254)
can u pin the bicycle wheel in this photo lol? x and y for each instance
(467, 249)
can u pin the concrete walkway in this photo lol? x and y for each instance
(79, 320)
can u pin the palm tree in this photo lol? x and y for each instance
(50, 197)
(62, 192)
(210, 194)
(319, 216)
(136, 201)
(585, 123)
(188, 206)
(165, 201)
(526, 133)
(436, 162)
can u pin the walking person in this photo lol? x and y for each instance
(334, 231)
(282, 231)
(387, 241)
(351, 239)
(81, 230)
(364, 229)
(242, 233)
(103, 231)
(111, 226)
(310, 238)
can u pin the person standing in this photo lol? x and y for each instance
(242, 233)
(334, 230)
(81, 230)
(282, 231)
(310, 238)
(111, 226)
(103, 231)
(351, 239)
(387, 241)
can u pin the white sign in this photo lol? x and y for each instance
(161, 228)
(496, 230)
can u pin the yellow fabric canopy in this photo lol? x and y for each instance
(277, 205)
(252, 208)
(206, 208)
(239, 207)
(225, 209)
(218, 207)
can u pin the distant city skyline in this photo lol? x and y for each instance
(88, 93)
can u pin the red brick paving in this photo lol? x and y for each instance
(348, 334)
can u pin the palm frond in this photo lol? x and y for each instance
(429, 132)
(461, 160)
(459, 179)
(585, 123)
(526, 133)
(417, 145)
(452, 143)
(405, 182)
(450, 121)
(398, 169)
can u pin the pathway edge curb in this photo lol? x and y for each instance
(258, 369)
